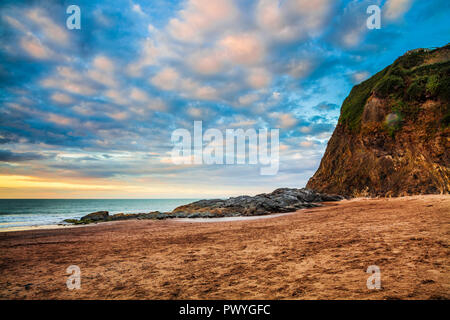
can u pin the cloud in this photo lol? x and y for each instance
(207, 62)
(15, 23)
(307, 144)
(103, 63)
(299, 68)
(169, 79)
(360, 76)
(122, 115)
(292, 19)
(139, 95)
(285, 120)
(200, 17)
(258, 78)
(61, 98)
(35, 48)
(147, 56)
(195, 112)
(60, 120)
(248, 99)
(394, 9)
(68, 85)
(247, 48)
(137, 8)
(325, 106)
(9, 156)
(166, 79)
(52, 31)
(350, 27)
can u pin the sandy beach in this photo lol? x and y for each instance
(319, 253)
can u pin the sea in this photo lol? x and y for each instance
(35, 212)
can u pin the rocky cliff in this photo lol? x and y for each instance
(392, 137)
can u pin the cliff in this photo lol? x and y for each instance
(392, 137)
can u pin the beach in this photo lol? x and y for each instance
(315, 253)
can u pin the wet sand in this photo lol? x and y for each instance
(38, 227)
(319, 253)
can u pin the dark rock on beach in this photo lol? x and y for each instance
(103, 216)
(96, 216)
(279, 201)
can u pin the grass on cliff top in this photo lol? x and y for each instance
(353, 105)
(408, 81)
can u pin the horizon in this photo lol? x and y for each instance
(88, 113)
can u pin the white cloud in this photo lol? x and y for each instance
(68, 85)
(307, 144)
(259, 78)
(61, 98)
(103, 71)
(394, 9)
(137, 8)
(60, 120)
(199, 17)
(35, 48)
(244, 48)
(285, 120)
(169, 79)
(248, 99)
(305, 129)
(207, 62)
(166, 79)
(139, 95)
(360, 76)
(117, 97)
(195, 112)
(299, 68)
(148, 56)
(292, 19)
(15, 23)
(103, 63)
(211, 49)
(121, 115)
(52, 31)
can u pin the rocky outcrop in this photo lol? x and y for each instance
(96, 216)
(103, 216)
(393, 134)
(279, 201)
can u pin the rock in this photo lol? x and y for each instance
(96, 216)
(393, 134)
(279, 201)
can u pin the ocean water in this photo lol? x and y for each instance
(31, 212)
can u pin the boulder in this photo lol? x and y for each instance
(96, 216)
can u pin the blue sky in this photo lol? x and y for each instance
(89, 113)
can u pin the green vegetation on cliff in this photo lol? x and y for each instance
(415, 77)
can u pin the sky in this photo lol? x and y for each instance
(89, 113)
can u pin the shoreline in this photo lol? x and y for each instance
(206, 220)
(178, 220)
(201, 220)
(38, 227)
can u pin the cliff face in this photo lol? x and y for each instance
(393, 134)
